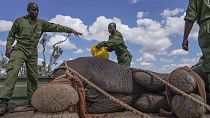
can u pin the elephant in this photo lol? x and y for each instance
(133, 86)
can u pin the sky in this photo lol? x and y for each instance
(152, 29)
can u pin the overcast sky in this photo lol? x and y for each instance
(152, 29)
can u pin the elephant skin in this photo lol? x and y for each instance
(124, 83)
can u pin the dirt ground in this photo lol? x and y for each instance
(126, 114)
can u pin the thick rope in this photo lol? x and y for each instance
(178, 90)
(124, 105)
(76, 83)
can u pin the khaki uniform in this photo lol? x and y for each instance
(27, 34)
(199, 10)
(117, 44)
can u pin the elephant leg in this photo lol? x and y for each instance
(148, 82)
(151, 103)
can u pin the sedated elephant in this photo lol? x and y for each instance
(132, 86)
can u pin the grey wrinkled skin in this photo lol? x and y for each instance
(120, 81)
(150, 83)
(186, 108)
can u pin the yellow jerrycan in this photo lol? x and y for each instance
(99, 52)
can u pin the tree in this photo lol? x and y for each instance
(57, 52)
(42, 69)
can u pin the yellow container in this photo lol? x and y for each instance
(101, 52)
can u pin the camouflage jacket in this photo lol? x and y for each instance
(115, 43)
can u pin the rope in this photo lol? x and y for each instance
(76, 83)
(124, 105)
(178, 90)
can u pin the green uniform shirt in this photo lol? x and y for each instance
(27, 33)
(117, 44)
(198, 10)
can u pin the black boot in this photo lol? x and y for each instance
(29, 104)
(3, 106)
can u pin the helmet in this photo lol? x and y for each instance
(32, 4)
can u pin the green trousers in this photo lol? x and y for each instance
(18, 57)
(205, 76)
(204, 43)
(125, 59)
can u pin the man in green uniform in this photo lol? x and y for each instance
(117, 44)
(26, 31)
(199, 10)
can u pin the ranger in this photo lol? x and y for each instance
(117, 44)
(199, 10)
(26, 31)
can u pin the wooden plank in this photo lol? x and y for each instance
(125, 114)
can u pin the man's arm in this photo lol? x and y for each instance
(52, 27)
(11, 39)
(108, 44)
(111, 43)
(187, 29)
(190, 18)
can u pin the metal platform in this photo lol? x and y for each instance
(20, 92)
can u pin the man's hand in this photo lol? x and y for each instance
(8, 52)
(185, 44)
(76, 33)
(101, 44)
(98, 46)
